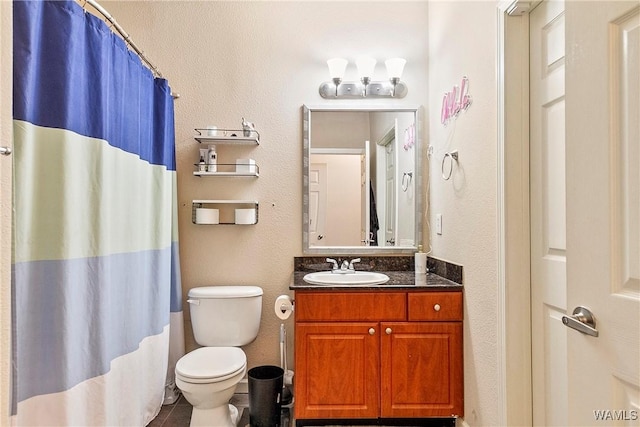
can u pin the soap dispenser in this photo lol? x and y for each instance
(212, 159)
(420, 261)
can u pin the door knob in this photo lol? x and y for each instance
(582, 320)
(372, 331)
(388, 331)
(5, 151)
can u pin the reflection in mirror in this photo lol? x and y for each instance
(362, 180)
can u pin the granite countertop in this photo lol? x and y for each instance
(399, 269)
(397, 280)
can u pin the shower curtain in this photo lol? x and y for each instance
(96, 282)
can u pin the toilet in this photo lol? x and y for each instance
(223, 318)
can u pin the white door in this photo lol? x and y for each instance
(366, 193)
(585, 212)
(335, 185)
(317, 203)
(603, 210)
(390, 195)
(548, 217)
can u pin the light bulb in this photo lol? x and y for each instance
(366, 65)
(395, 67)
(337, 67)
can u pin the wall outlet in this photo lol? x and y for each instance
(439, 224)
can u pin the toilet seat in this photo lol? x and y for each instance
(211, 364)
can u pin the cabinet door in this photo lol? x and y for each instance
(421, 369)
(337, 370)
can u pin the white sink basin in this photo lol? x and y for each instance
(357, 278)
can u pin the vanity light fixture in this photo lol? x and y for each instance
(365, 88)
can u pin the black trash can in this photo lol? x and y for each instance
(265, 392)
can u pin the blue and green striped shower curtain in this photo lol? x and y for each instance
(96, 283)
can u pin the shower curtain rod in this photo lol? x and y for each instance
(127, 39)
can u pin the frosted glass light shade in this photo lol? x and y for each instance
(395, 67)
(366, 65)
(337, 67)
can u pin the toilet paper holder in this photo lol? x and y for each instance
(284, 306)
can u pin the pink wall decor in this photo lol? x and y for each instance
(409, 137)
(456, 100)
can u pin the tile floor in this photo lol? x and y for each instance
(175, 415)
(179, 414)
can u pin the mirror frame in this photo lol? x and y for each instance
(419, 196)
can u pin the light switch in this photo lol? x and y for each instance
(438, 223)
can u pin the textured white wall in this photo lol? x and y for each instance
(263, 61)
(462, 41)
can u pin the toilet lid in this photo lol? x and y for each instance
(211, 362)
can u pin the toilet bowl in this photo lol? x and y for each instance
(208, 386)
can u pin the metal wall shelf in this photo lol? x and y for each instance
(228, 136)
(226, 208)
(230, 170)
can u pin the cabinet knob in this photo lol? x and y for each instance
(372, 331)
(436, 307)
(388, 331)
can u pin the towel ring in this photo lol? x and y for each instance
(454, 157)
(405, 183)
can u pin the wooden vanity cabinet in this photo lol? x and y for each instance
(382, 354)
(341, 370)
(421, 369)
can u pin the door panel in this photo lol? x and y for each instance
(317, 203)
(603, 203)
(421, 364)
(341, 366)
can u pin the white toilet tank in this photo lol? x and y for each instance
(225, 316)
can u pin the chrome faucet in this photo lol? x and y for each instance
(345, 266)
(334, 267)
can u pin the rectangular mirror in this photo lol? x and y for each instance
(362, 180)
